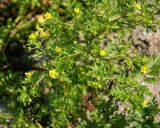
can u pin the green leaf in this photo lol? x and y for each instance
(154, 73)
(66, 79)
(151, 80)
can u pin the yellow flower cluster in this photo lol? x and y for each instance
(144, 69)
(77, 10)
(48, 16)
(53, 73)
(29, 74)
(58, 50)
(102, 53)
(138, 6)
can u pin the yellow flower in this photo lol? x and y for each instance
(129, 62)
(29, 74)
(77, 10)
(33, 36)
(48, 16)
(58, 50)
(144, 69)
(53, 73)
(144, 103)
(138, 6)
(102, 53)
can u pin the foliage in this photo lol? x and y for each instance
(89, 74)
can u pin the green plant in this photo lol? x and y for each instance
(89, 74)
